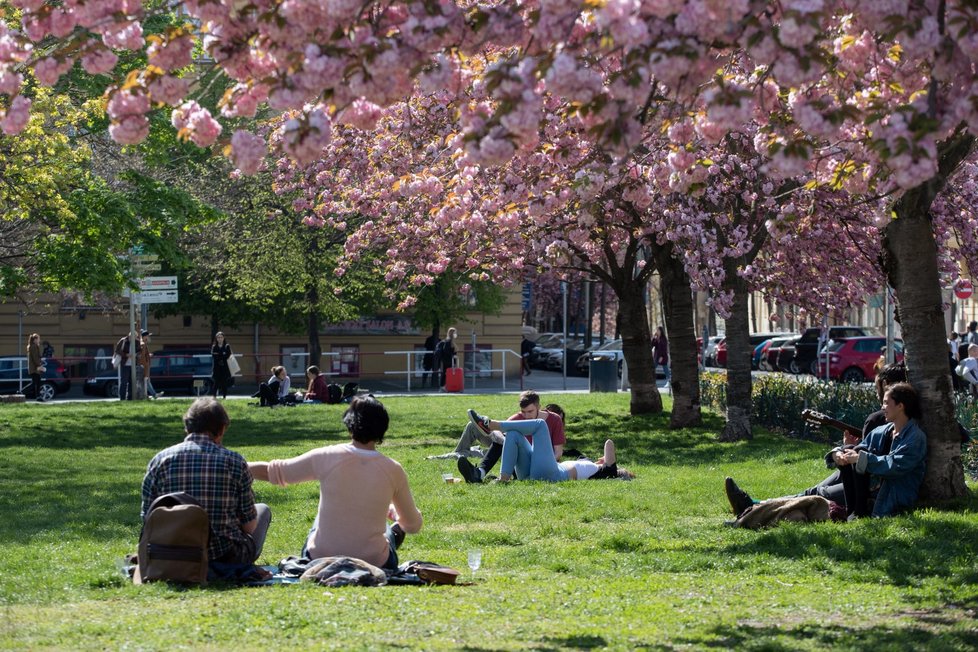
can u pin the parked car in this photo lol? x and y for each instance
(711, 350)
(176, 371)
(611, 349)
(759, 352)
(807, 347)
(786, 356)
(851, 360)
(755, 339)
(545, 345)
(769, 360)
(555, 359)
(14, 378)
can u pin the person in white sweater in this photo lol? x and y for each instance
(360, 489)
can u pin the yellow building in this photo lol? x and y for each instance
(387, 346)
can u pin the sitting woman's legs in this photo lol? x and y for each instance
(537, 460)
(516, 456)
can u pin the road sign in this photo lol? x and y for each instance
(153, 296)
(146, 268)
(963, 288)
(144, 258)
(157, 283)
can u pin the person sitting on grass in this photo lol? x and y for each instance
(201, 466)
(274, 391)
(359, 489)
(528, 453)
(881, 475)
(529, 403)
(317, 390)
(831, 487)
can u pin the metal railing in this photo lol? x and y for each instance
(412, 367)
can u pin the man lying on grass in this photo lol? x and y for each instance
(881, 475)
(218, 478)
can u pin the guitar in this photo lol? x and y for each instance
(816, 418)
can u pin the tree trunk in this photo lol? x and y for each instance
(910, 262)
(677, 303)
(315, 347)
(637, 349)
(738, 367)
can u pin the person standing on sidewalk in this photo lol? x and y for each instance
(35, 365)
(144, 362)
(445, 354)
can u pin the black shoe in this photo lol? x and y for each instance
(469, 472)
(739, 499)
(481, 422)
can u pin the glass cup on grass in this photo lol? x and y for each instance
(475, 561)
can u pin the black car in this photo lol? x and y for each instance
(807, 346)
(14, 378)
(176, 371)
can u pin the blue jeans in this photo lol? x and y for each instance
(390, 564)
(534, 461)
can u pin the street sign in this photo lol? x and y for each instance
(963, 288)
(153, 296)
(144, 258)
(146, 268)
(157, 283)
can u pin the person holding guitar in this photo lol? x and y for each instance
(831, 488)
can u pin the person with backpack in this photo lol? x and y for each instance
(445, 353)
(360, 489)
(218, 478)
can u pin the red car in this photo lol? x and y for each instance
(851, 360)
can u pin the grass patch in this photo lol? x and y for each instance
(621, 565)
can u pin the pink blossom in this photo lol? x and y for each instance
(171, 54)
(304, 139)
(201, 127)
(361, 114)
(99, 60)
(168, 89)
(49, 70)
(17, 117)
(130, 130)
(247, 151)
(10, 82)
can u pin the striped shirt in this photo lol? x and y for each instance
(215, 476)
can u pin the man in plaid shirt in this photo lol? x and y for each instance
(218, 478)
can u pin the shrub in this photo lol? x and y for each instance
(778, 400)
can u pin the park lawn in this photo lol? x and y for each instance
(620, 565)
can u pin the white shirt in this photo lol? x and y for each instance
(972, 366)
(585, 468)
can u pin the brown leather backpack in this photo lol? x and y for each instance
(173, 543)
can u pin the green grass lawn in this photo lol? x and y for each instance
(646, 564)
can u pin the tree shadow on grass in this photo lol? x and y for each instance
(155, 429)
(926, 632)
(905, 549)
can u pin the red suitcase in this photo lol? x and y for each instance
(454, 380)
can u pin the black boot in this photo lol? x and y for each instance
(740, 500)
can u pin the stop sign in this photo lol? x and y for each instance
(963, 288)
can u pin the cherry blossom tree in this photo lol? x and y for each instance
(876, 97)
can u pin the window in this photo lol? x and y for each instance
(347, 363)
(295, 359)
(869, 346)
